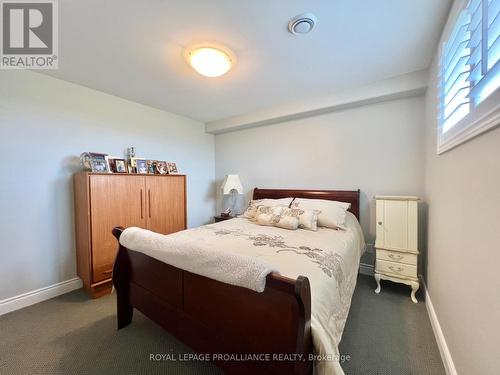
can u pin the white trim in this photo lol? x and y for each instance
(39, 295)
(366, 269)
(397, 197)
(452, 17)
(449, 366)
(468, 129)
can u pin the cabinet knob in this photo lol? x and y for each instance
(379, 223)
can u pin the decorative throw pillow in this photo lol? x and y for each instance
(332, 213)
(276, 216)
(253, 204)
(268, 210)
(308, 219)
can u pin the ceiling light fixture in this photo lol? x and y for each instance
(210, 61)
(302, 24)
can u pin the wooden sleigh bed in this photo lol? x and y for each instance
(243, 331)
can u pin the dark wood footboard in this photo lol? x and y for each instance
(243, 332)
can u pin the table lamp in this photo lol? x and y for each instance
(231, 186)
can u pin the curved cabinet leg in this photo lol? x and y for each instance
(414, 287)
(377, 279)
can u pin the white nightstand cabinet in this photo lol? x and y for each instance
(396, 241)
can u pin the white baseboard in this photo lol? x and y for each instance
(39, 295)
(366, 269)
(449, 366)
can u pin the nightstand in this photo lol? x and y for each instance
(396, 241)
(222, 218)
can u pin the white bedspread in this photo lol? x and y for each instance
(328, 258)
(188, 251)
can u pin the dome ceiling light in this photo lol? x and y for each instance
(210, 61)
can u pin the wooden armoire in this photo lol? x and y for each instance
(104, 201)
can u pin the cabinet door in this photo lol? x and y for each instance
(166, 208)
(115, 201)
(395, 224)
(379, 228)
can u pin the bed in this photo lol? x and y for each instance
(240, 330)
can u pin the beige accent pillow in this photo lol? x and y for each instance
(276, 216)
(332, 213)
(253, 204)
(308, 219)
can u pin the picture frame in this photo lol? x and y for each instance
(138, 162)
(85, 161)
(161, 167)
(110, 161)
(141, 166)
(172, 168)
(95, 162)
(117, 164)
(121, 166)
(151, 166)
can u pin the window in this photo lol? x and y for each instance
(469, 94)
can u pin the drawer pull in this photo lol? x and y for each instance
(395, 256)
(149, 202)
(399, 269)
(142, 215)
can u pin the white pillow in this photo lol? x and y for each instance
(332, 213)
(276, 216)
(253, 204)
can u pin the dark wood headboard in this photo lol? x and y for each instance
(348, 196)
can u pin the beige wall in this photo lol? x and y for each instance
(462, 191)
(376, 148)
(45, 123)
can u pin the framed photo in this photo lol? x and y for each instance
(161, 167)
(121, 166)
(85, 161)
(135, 163)
(172, 168)
(151, 166)
(141, 166)
(94, 162)
(117, 165)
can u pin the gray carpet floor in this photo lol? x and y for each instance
(387, 334)
(71, 334)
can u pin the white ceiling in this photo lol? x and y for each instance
(134, 49)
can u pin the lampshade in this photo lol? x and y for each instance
(210, 62)
(232, 182)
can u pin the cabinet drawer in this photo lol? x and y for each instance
(398, 269)
(102, 272)
(396, 256)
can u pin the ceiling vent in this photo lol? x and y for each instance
(302, 24)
